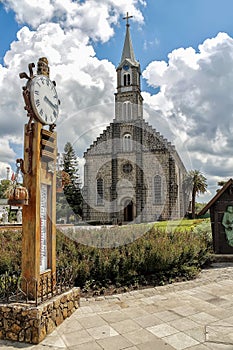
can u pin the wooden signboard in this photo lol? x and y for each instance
(39, 167)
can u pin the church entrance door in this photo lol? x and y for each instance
(128, 211)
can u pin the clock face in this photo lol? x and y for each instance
(126, 67)
(44, 99)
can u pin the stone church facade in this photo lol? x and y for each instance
(132, 173)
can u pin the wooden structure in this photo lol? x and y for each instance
(221, 206)
(39, 168)
(39, 216)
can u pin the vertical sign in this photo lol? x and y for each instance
(43, 228)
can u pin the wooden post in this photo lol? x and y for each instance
(39, 216)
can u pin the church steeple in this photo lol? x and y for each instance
(128, 51)
(128, 99)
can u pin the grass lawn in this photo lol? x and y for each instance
(179, 225)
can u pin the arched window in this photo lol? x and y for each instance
(100, 191)
(126, 79)
(127, 143)
(158, 190)
(127, 110)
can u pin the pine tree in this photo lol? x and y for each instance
(72, 190)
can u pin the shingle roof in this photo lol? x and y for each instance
(216, 197)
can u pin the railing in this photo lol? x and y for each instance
(16, 288)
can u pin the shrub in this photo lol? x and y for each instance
(10, 248)
(164, 255)
(157, 256)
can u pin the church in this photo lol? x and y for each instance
(131, 172)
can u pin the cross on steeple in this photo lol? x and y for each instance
(127, 17)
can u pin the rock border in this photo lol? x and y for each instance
(30, 324)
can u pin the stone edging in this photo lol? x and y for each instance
(31, 324)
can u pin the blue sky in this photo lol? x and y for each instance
(168, 25)
(185, 49)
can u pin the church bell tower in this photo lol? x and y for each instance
(128, 99)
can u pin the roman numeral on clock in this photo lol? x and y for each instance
(37, 102)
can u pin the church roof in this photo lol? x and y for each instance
(216, 197)
(128, 51)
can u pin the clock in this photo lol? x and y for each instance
(126, 67)
(44, 99)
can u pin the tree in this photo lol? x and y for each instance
(72, 190)
(4, 185)
(198, 184)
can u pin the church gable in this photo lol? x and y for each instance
(102, 145)
(154, 141)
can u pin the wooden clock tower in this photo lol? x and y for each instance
(39, 168)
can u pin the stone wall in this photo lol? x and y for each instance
(30, 324)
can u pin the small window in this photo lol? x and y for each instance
(100, 191)
(127, 168)
(127, 143)
(158, 190)
(126, 79)
(127, 111)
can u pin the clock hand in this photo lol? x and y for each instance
(50, 103)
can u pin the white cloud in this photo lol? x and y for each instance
(62, 31)
(195, 97)
(93, 18)
(194, 107)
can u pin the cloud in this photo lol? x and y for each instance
(196, 100)
(92, 18)
(193, 108)
(62, 30)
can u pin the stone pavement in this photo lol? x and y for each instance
(194, 315)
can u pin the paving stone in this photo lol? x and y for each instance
(140, 336)
(54, 339)
(135, 312)
(151, 309)
(162, 330)
(76, 338)
(40, 347)
(148, 320)
(183, 324)
(180, 341)
(216, 346)
(167, 316)
(203, 318)
(102, 332)
(115, 343)
(86, 346)
(184, 310)
(197, 333)
(156, 344)
(220, 334)
(67, 326)
(125, 326)
(113, 316)
(91, 321)
(198, 347)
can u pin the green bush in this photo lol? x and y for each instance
(10, 248)
(156, 257)
(164, 255)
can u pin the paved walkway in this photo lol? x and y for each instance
(194, 315)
